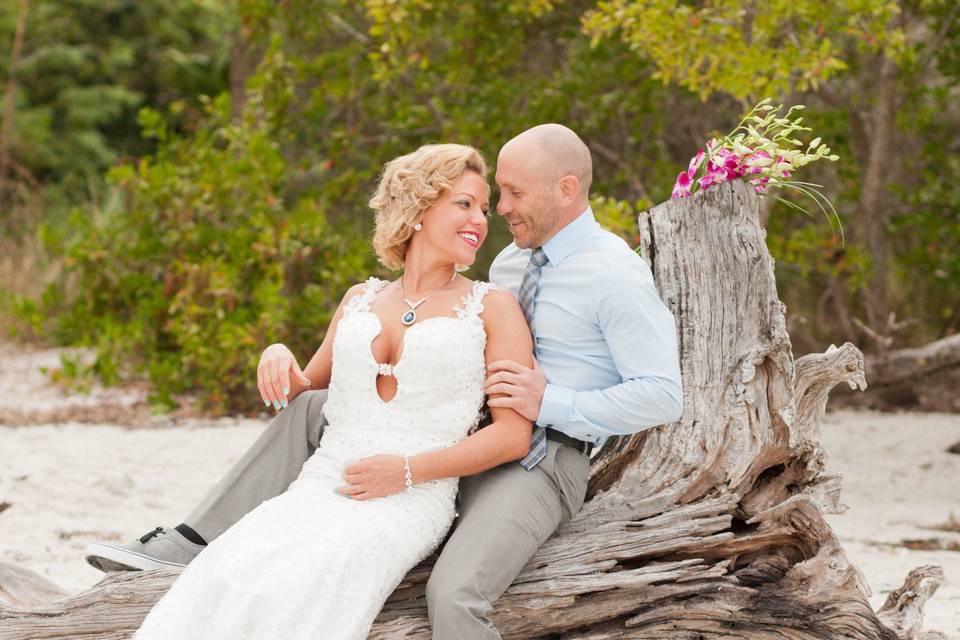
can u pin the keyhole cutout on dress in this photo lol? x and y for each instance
(386, 387)
(386, 384)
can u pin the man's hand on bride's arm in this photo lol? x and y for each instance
(522, 388)
(278, 373)
(374, 477)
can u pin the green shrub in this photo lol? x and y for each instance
(203, 261)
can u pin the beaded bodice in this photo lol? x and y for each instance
(439, 377)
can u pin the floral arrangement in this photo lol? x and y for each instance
(763, 150)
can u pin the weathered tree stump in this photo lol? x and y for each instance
(708, 528)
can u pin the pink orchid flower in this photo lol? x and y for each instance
(716, 173)
(753, 166)
(729, 162)
(684, 185)
(760, 184)
(725, 165)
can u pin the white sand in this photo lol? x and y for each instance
(898, 479)
(71, 484)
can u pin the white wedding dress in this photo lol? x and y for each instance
(311, 563)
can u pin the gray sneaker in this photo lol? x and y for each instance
(160, 549)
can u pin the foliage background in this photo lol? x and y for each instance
(184, 182)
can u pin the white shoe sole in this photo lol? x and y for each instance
(107, 558)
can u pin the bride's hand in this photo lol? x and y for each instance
(374, 477)
(273, 375)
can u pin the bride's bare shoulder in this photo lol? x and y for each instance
(371, 285)
(508, 336)
(499, 305)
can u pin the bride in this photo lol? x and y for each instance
(405, 365)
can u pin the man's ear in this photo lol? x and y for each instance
(569, 188)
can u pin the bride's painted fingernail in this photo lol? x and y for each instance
(286, 390)
(276, 404)
(284, 403)
(266, 403)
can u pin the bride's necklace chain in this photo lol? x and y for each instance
(410, 316)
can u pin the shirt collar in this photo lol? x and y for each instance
(569, 238)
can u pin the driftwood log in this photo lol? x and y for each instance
(924, 378)
(711, 527)
(24, 588)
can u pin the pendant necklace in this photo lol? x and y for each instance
(410, 316)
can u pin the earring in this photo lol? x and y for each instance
(417, 227)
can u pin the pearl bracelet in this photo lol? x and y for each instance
(408, 477)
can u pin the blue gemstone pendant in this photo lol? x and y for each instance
(409, 318)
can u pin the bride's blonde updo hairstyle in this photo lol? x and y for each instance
(410, 185)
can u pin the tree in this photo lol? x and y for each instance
(87, 66)
(6, 128)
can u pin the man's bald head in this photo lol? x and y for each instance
(544, 176)
(555, 151)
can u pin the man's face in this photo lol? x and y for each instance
(526, 200)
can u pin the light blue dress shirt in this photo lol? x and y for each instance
(604, 339)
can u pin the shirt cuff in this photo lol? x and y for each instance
(556, 407)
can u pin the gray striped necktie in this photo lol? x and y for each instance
(527, 299)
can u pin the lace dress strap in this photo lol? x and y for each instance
(363, 300)
(472, 304)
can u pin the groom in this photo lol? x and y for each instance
(606, 364)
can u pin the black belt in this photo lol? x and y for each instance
(579, 445)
